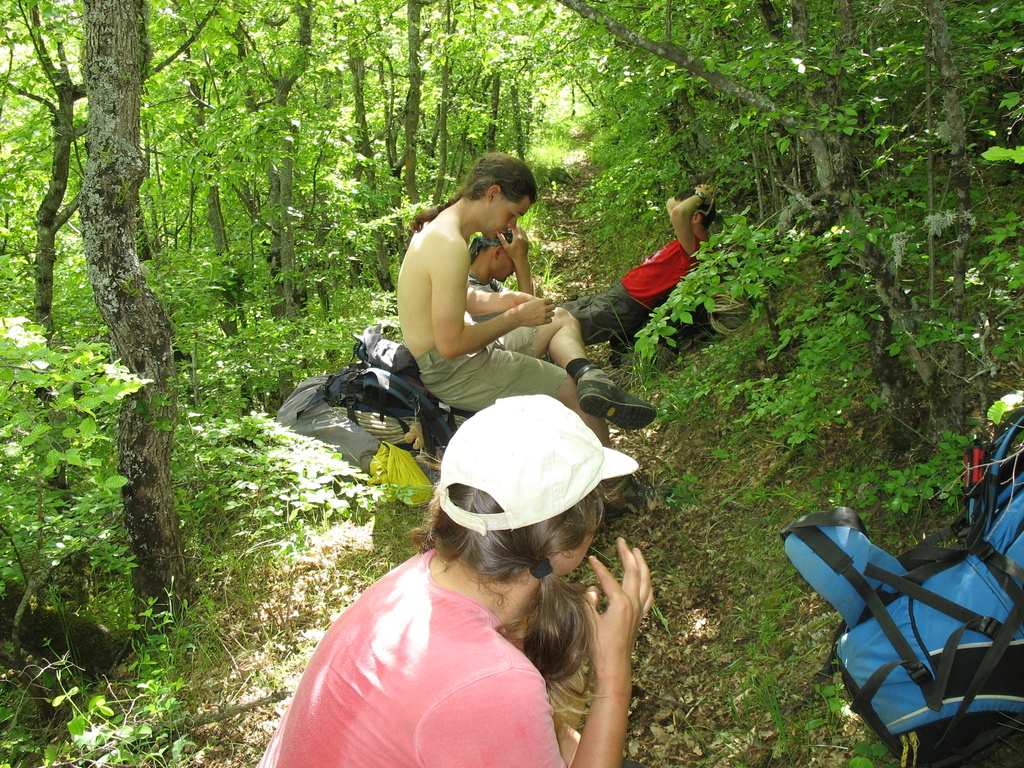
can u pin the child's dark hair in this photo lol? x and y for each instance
(510, 173)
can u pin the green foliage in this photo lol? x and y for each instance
(995, 154)
(1004, 405)
(867, 752)
(59, 485)
(252, 478)
(224, 375)
(112, 723)
(812, 377)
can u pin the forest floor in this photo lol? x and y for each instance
(725, 668)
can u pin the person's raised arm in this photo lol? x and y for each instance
(603, 738)
(519, 251)
(680, 212)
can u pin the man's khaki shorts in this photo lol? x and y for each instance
(504, 368)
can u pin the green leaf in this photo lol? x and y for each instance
(115, 482)
(99, 704)
(78, 725)
(995, 154)
(999, 408)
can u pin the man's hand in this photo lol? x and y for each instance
(517, 250)
(535, 311)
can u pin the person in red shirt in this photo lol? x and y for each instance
(616, 314)
(471, 653)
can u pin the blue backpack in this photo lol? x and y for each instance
(931, 648)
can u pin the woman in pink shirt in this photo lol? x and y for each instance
(471, 653)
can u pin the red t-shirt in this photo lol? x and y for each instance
(650, 282)
(416, 676)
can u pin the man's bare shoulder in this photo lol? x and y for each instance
(437, 247)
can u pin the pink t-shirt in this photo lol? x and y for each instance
(416, 675)
(654, 279)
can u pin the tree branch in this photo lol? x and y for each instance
(184, 46)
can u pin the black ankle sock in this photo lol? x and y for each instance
(573, 367)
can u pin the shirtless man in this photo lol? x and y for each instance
(470, 365)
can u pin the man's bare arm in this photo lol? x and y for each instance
(480, 302)
(452, 335)
(518, 250)
(680, 212)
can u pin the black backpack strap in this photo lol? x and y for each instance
(333, 389)
(382, 392)
(436, 417)
(841, 563)
(989, 663)
(986, 625)
(838, 517)
(437, 421)
(923, 562)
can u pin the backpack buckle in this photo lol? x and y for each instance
(983, 550)
(919, 673)
(989, 626)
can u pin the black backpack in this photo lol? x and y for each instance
(382, 394)
(931, 648)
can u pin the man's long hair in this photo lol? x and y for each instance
(510, 173)
(556, 632)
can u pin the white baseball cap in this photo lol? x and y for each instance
(533, 455)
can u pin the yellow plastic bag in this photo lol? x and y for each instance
(397, 467)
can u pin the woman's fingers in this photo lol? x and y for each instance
(646, 591)
(635, 588)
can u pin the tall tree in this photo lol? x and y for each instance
(412, 100)
(141, 332)
(52, 213)
(281, 169)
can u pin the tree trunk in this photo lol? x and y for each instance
(444, 103)
(518, 129)
(365, 165)
(491, 137)
(140, 329)
(412, 101)
(281, 176)
(949, 408)
(50, 216)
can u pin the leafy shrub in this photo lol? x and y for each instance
(59, 486)
(250, 477)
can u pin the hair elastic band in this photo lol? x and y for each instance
(541, 569)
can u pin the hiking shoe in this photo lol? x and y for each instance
(602, 397)
(646, 498)
(629, 496)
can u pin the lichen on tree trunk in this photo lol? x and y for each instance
(140, 328)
